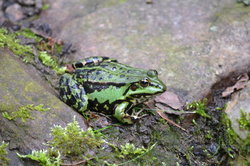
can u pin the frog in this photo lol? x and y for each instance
(102, 84)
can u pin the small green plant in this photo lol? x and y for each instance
(72, 141)
(244, 120)
(3, 152)
(131, 151)
(24, 112)
(45, 158)
(199, 107)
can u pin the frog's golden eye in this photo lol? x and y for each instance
(144, 82)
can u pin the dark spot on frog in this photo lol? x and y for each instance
(93, 77)
(113, 68)
(98, 72)
(100, 78)
(121, 76)
(129, 71)
(110, 76)
(103, 65)
(83, 76)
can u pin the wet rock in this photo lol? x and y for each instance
(19, 86)
(14, 12)
(239, 104)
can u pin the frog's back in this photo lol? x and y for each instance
(110, 72)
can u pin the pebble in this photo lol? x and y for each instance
(14, 12)
(27, 2)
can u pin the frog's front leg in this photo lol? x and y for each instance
(72, 93)
(121, 115)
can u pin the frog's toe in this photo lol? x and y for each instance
(127, 120)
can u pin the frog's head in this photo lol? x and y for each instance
(149, 85)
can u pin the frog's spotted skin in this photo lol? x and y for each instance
(103, 84)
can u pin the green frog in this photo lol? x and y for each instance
(102, 84)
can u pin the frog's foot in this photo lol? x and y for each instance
(121, 115)
(136, 115)
(72, 93)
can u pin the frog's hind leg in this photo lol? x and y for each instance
(73, 93)
(92, 61)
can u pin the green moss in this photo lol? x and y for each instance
(24, 112)
(246, 145)
(129, 150)
(9, 40)
(28, 34)
(47, 60)
(199, 107)
(45, 6)
(111, 3)
(3, 153)
(232, 139)
(44, 157)
(76, 145)
(237, 12)
(72, 141)
(244, 120)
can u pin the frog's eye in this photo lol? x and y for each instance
(144, 82)
(78, 65)
(152, 73)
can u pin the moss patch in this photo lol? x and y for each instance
(3, 153)
(9, 40)
(244, 120)
(72, 144)
(24, 112)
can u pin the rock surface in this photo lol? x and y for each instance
(239, 102)
(19, 88)
(14, 12)
(191, 43)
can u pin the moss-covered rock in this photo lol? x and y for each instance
(20, 86)
(238, 112)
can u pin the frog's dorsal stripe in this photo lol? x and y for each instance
(92, 61)
(109, 73)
